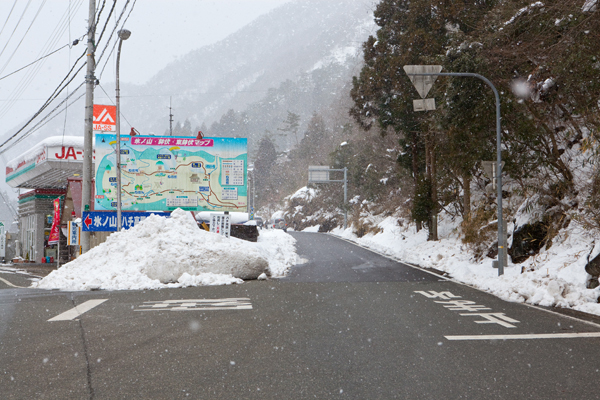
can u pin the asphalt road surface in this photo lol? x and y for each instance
(347, 324)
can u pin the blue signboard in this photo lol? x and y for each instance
(106, 221)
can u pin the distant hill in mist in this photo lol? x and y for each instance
(295, 58)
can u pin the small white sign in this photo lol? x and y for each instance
(74, 234)
(424, 105)
(220, 224)
(2, 240)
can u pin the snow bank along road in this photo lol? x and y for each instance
(348, 323)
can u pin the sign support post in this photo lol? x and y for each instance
(318, 174)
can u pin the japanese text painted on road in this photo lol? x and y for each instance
(471, 308)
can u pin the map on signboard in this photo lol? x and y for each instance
(169, 172)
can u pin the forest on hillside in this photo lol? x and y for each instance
(542, 58)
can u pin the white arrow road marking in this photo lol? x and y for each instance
(10, 284)
(527, 336)
(78, 310)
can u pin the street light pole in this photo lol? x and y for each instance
(123, 35)
(501, 244)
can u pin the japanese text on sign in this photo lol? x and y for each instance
(232, 172)
(154, 141)
(220, 224)
(106, 221)
(471, 308)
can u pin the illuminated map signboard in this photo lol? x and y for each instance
(169, 172)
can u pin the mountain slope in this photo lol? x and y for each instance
(295, 39)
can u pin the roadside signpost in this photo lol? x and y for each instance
(423, 77)
(220, 224)
(423, 84)
(2, 241)
(489, 167)
(320, 174)
(106, 221)
(74, 236)
(73, 233)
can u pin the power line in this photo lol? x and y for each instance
(116, 40)
(6, 145)
(52, 97)
(24, 36)
(109, 98)
(15, 28)
(49, 117)
(8, 17)
(31, 74)
(41, 58)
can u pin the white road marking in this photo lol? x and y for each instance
(78, 310)
(10, 284)
(526, 336)
(197, 304)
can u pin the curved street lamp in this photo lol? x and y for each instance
(423, 87)
(123, 35)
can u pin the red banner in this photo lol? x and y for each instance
(54, 231)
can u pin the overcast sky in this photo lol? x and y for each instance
(161, 30)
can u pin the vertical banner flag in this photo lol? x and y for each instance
(54, 231)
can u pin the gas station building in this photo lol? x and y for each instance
(51, 169)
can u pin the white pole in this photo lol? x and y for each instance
(123, 35)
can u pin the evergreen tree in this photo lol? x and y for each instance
(292, 124)
(311, 146)
(263, 164)
(412, 32)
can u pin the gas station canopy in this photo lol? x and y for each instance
(47, 165)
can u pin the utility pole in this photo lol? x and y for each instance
(88, 133)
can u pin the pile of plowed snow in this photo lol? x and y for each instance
(173, 252)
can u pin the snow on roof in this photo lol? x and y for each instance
(278, 214)
(172, 252)
(236, 217)
(70, 141)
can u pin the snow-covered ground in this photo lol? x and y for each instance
(554, 277)
(173, 252)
